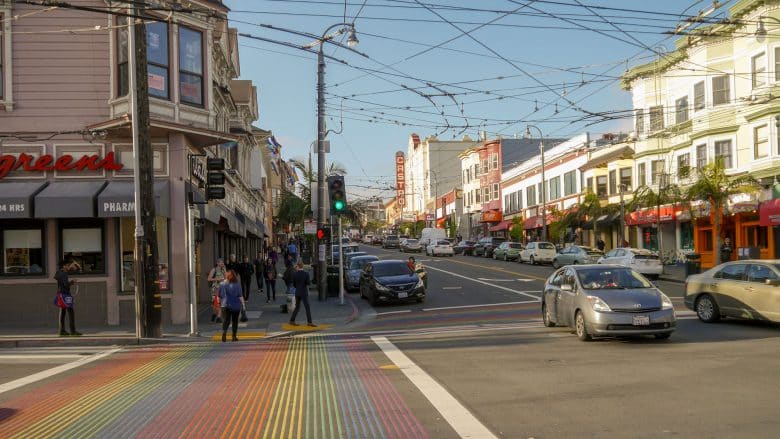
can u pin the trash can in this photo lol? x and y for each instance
(692, 264)
(333, 281)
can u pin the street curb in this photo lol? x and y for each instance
(671, 279)
(86, 341)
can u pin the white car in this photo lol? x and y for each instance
(641, 260)
(439, 247)
(368, 239)
(538, 252)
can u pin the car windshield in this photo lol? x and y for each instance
(411, 241)
(442, 242)
(359, 263)
(391, 269)
(546, 246)
(515, 245)
(611, 278)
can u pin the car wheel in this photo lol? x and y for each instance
(662, 336)
(546, 317)
(494, 256)
(555, 264)
(532, 260)
(579, 327)
(706, 309)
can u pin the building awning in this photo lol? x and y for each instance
(234, 224)
(608, 218)
(440, 222)
(533, 222)
(769, 213)
(68, 199)
(16, 198)
(650, 215)
(118, 199)
(503, 225)
(587, 225)
(491, 216)
(261, 228)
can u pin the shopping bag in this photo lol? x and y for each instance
(243, 317)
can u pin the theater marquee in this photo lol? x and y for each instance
(400, 179)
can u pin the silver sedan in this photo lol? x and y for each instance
(606, 300)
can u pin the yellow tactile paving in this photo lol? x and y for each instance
(304, 328)
(241, 336)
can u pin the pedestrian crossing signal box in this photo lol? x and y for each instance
(215, 179)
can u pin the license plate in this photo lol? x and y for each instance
(405, 295)
(641, 320)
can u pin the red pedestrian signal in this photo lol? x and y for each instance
(323, 234)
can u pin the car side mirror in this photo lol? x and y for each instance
(566, 287)
(773, 282)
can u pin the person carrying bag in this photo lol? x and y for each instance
(232, 302)
(63, 299)
(215, 277)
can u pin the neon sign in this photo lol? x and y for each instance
(64, 163)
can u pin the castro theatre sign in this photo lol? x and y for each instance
(63, 163)
(400, 179)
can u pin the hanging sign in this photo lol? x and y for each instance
(400, 179)
(64, 163)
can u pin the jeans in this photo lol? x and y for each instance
(246, 286)
(71, 319)
(260, 281)
(229, 317)
(298, 301)
(270, 288)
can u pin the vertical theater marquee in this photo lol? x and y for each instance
(400, 180)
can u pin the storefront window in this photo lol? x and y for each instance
(756, 236)
(127, 239)
(22, 251)
(650, 238)
(686, 236)
(84, 245)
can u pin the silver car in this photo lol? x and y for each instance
(606, 300)
(353, 270)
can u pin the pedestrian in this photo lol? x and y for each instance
(411, 263)
(233, 264)
(292, 252)
(232, 302)
(600, 244)
(259, 271)
(274, 255)
(270, 280)
(626, 244)
(287, 277)
(216, 275)
(725, 250)
(301, 281)
(246, 270)
(64, 300)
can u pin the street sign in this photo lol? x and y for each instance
(428, 217)
(309, 226)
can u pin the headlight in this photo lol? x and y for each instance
(666, 302)
(420, 284)
(598, 304)
(380, 287)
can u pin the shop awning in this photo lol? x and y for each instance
(68, 199)
(118, 199)
(587, 225)
(769, 213)
(16, 198)
(261, 228)
(503, 225)
(533, 222)
(608, 219)
(234, 224)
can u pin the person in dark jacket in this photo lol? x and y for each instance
(259, 271)
(245, 271)
(270, 280)
(232, 302)
(63, 288)
(301, 282)
(289, 272)
(233, 264)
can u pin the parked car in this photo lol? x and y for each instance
(391, 241)
(641, 260)
(391, 281)
(464, 248)
(411, 245)
(354, 269)
(606, 300)
(747, 289)
(485, 246)
(577, 254)
(376, 240)
(537, 253)
(440, 247)
(349, 256)
(508, 251)
(348, 248)
(368, 239)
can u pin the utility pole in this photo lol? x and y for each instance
(147, 272)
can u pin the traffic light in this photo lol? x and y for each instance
(215, 178)
(323, 234)
(338, 194)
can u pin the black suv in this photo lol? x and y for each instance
(485, 246)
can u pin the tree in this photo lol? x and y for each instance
(590, 207)
(292, 209)
(715, 187)
(310, 178)
(516, 229)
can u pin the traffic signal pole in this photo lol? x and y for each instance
(341, 265)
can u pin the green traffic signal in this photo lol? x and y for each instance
(338, 205)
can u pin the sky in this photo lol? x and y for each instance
(448, 68)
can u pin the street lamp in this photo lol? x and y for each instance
(321, 133)
(544, 192)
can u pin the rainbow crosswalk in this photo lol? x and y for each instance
(303, 387)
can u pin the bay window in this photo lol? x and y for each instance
(190, 66)
(157, 57)
(761, 142)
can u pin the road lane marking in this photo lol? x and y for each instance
(482, 305)
(486, 283)
(393, 312)
(462, 421)
(496, 280)
(21, 382)
(451, 288)
(41, 357)
(526, 280)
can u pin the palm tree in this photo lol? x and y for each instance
(310, 178)
(715, 187)
(590, 207)
(292, 209)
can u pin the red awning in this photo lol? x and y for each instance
(503, 225)
(440, 222)
(769, 213)
(533, 222)
(650, 215)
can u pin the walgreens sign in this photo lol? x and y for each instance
(64, 163)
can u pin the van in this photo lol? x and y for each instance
(429, 234)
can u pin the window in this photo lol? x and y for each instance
(127, 237)
(589, 183)
(761, 142)
(601, 186)
(656, 118)
(701, 156)
(625, 179)
(613, 181)
(683, 165)
(723, 151)
(554, 188)
(494, 159)
(760, 274)
(570, 183)
(721, 90)
(495, 192)
(22, 245)
(82, 242)
(156, 55)
(641, 175)
(698, 95)
(518, 200)
(485, 166)
(476, 170)
(530, 195)
(477, 196)
(777, 63)
(190, 66)
(656, 169)
(507, 203)
(681, 110)
(640, 121)
(486, 194)
(758, 70)
(733, 272)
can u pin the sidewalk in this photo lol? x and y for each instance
(266, 320)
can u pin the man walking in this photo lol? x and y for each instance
(259, 271)
(292, 251)
(301, 282)
(246, 269)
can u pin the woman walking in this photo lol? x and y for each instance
(216, 276)
(231, 300)
(270, 280)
